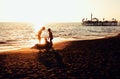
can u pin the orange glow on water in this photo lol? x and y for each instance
(42, 41)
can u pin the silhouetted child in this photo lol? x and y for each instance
(50, 36)
(39, 33)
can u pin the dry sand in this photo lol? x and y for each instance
(88, 59)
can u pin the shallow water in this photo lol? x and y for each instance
(19, 35)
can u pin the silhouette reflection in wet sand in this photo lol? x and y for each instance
(48, 56)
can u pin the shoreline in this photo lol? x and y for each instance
(57, 45)
(56, 41)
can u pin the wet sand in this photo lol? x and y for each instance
(88, 59)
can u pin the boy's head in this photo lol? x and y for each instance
(49, 29)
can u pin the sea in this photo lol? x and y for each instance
(23, 35)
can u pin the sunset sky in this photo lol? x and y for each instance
(57, 10)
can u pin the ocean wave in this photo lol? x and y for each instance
(10, 40)
(2, 42)
(6, 41)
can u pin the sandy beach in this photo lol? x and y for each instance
(87, 59)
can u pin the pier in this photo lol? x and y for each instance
(96, 22)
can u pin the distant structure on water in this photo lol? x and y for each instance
(96, 22)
